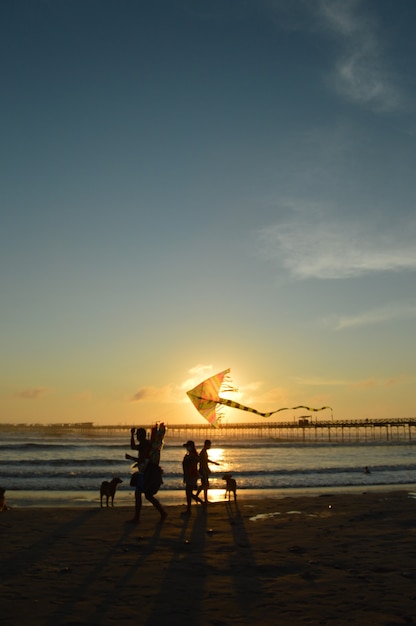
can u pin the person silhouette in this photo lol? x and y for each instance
(190, 474)
(143, 446)
(204, 469)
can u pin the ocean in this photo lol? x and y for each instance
(39, 469)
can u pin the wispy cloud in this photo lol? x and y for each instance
(154, 394)
(253, 394)
(360, 72)
(196, 375)
(172, 392)
(313, 243)
(372, 383)
(394, 311)
(278, 396)
(33, 393)
(365, 383)
(84, 396)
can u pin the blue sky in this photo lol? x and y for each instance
(190, 186)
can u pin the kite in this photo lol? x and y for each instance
(207, 400)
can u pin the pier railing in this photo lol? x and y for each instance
(305, 429)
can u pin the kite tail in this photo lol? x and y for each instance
(309, 408)
(242, 407)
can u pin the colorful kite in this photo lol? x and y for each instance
(207, 400)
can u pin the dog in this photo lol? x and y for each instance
(231, 486)
(108, 490)
(3, 505)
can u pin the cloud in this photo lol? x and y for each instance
(84, 396)
(171, 392)
(394, 311)
(321, 382)
(360, 72)
(372, 383)
(276, 396)
(34, 393)
(366, 383)
(154, 394)
(197, 374)
(313, 243)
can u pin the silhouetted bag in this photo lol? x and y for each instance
(134, 479)
(152, 478)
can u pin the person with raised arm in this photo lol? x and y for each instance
(144, 466)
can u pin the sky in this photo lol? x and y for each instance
(193, 185)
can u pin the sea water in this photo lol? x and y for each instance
(39, 469)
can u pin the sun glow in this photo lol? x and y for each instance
(216, 455)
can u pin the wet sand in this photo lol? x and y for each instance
(336, 559)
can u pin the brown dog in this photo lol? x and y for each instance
(231, 486)
(108, 489)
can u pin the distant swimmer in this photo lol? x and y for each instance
(366, 470)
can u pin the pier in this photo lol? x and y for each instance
(305, 429)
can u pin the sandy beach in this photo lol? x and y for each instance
(335, 559)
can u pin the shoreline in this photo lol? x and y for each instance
(344, 559)
(125, 497)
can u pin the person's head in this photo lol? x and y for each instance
(141, 434)
(189, 445)
(207, 444)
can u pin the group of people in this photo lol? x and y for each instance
(196, 473)
(196, 466)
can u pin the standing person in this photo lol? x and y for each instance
(204, 469)
(143, 446)
(190, 474)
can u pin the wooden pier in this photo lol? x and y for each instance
(401, 429)
(306, 430)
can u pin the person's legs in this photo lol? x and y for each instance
(138, 499)
(157, 505)
(195, 496)
(205, 485)
(188, 491)
(138, 504)
(137, 508)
